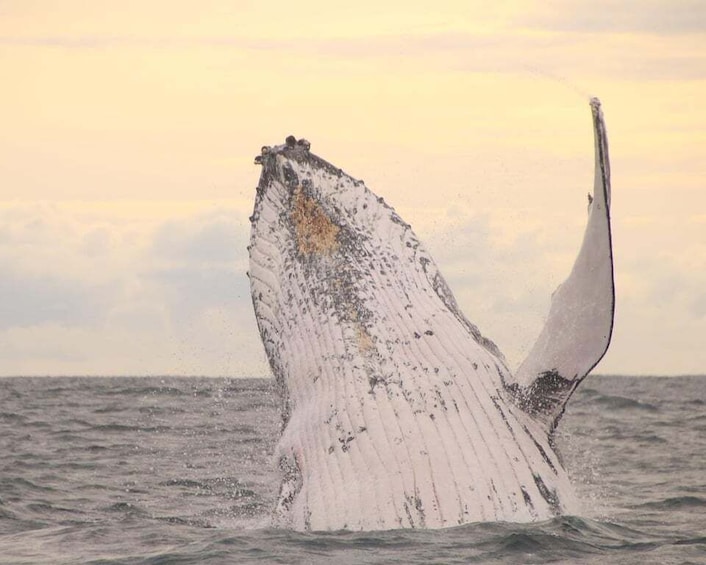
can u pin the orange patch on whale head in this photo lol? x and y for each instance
(315, 232)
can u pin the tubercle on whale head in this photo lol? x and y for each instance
(287, 172)
(297, 150)
(290, 143)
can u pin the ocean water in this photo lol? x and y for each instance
(179, 470)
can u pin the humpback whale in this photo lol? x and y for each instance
(396, 411)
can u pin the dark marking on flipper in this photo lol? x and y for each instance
(542, 397)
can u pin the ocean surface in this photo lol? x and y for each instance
(180, 470)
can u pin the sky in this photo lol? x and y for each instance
(129, 130)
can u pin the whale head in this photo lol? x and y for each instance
(335, 244)
(316, 209)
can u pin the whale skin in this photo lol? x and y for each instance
(396, 411)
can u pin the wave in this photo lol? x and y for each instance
(13, 418)
(20, 485)
(675, 503)
(623, 403)
(223, 486)
(127, 508)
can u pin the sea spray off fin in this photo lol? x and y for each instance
(396, 411)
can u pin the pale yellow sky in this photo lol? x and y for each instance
(129, 128)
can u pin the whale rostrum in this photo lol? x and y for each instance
(396, 411)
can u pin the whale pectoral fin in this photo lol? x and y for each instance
(579, 326)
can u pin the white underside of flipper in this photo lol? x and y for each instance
(578, 329)
(397, 412)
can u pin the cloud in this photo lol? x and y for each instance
(179, 284)
(611, 40)
(503, 269)
(218, 238)
(93, 42)
(200, 263)
(171, 294)
(83, 292)
(34, 299)
(660, 17)
(660, 277)
(502, 272)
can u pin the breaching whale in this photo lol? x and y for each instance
(396, 411)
